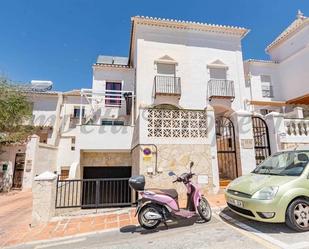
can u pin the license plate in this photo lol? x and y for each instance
(236, 203)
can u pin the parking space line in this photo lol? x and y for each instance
(278, 243)
(252, 233)
(59, 243)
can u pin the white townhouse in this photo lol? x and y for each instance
(183, 94)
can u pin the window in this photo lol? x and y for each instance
(288, 163)
(113, 97)
(267, 90)
(76, 113)
(112, 122)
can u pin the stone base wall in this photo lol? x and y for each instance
(100, 159)
(104, 159)
(176, 158)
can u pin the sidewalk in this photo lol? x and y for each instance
(15, 217)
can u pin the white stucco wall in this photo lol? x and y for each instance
(44, 109)
(192, 51)
(105, 138)
(294, 74)
(65, 156)
(256, 69)
(291, 46)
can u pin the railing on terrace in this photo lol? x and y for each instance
(105, 99)
(74, 121)
(297, 127)
(221, 88)
(167, 85)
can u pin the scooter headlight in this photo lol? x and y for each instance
(266, 193)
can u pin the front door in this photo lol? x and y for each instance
(19, 170)
(226, 150)
(261, 139)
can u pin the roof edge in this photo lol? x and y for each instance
(180, 24)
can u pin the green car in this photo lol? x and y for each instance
(276, 191)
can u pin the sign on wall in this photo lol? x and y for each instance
(147, 154)
(247, 143)
(202, 179)
(28, 165)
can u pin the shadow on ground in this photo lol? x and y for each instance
(268, 228)
(162, 227)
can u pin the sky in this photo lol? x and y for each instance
(59, 40)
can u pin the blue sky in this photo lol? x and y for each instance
(59, 40)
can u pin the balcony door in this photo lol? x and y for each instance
(217, 73)
(166, 69)
(165, 80)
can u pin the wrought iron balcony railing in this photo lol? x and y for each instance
(221, 88)
(167, 85)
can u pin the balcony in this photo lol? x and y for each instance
(221, 88)
(167, 85)
(74, 121)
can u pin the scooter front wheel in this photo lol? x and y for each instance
(149, 224)
(204, 209)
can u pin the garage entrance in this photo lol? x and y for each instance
(106, 187)
(101, 187)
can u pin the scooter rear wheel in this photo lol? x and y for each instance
(204, 209)
(145, 223)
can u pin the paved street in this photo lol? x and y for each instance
(15, 214)
(231, 231)
(224, 230)
(211, 235)
(15, 219)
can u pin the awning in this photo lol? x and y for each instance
(267, 103)
(302, 100)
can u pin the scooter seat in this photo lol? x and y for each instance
(170, 192)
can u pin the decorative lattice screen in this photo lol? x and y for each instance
(176, 123)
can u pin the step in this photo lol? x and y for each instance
(225, 182)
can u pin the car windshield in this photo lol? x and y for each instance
(288, 163)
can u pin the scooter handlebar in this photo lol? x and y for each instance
(184, 179)
(179, 179)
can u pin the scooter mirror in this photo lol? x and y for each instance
(191, 164)
(171, 173)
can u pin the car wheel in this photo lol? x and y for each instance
(297, 215)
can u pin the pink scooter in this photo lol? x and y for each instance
(160, 205)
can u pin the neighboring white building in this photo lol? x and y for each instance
(284, 78)
(183, 94)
